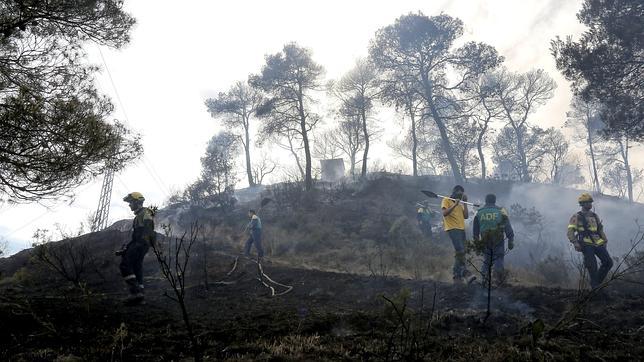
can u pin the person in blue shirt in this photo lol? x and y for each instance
(255, 235)
(491, 223)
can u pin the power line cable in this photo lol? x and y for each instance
(146, 163)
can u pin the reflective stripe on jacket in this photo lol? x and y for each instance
(143, 227)
(576, 229)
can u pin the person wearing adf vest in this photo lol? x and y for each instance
(491, 223)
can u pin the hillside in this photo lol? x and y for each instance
(344, 250)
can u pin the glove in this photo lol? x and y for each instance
(510, 244)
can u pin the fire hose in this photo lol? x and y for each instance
(262, 277)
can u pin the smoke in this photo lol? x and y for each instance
(557, 204)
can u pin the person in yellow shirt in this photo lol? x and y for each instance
(454, 215)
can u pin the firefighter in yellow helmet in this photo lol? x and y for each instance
(586, 233)
(132, 254)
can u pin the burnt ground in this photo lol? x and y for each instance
(327, 316)
(330, 246)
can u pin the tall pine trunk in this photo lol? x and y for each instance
(442, 129)
(365, 134)
(249, 169)
(596, 185)
(479, 148)
(308, 177)
(414, 140)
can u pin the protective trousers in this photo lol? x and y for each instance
(590, 251)
(458, 240)
(426, 228)
(254, 239)
(132, 266)
(493, 257)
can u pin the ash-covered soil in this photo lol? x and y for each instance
(326, 316)
(366, 285)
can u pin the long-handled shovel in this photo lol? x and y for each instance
(435, 196)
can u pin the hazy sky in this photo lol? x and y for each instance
(183, 52)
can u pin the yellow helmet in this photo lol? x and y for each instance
(585, 197)
(134, 196)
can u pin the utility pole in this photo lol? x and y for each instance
(102, 212)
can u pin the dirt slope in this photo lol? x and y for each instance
(344, 252)
(326, 316)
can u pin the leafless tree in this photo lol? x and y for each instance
(409, 339)
(325, 145)
(288, 140)
(356, 91)
(264, 167)
(398, 90)
(464, 132)
(424, 151)
(616, 152)
(556, 155)
(487, 246)
(71, 259)
(584, 117)
(236, 107)
(519, 96)
(526, 164)
(485, 110)
(348, 137)
(174, 267)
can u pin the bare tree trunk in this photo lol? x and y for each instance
(414, 141)
(525, 172)
(308, 177)
(296, 156)
(479, 147)
(629, 175)
(488, 286)
(249, 170)
(442, 129)
(594, 163)
(353, 165)
(366, 143)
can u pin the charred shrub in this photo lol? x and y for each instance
(72, 260)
